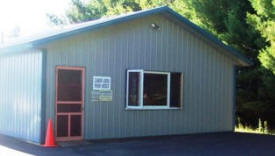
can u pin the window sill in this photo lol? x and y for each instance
(151, 108)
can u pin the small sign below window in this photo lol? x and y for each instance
(101, 83)
(102, 95)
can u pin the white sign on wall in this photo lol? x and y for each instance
(101, 83)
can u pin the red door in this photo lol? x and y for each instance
(69, 103)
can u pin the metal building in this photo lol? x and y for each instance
(146, 73)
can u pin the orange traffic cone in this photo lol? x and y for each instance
(50, 142)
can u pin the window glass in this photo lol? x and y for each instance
(75, 125)
(155, 89)
(134, 90)
(67, 108)
(175, 91)
(69, 85)
(62, 125)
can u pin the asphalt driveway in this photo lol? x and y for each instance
(195, 144)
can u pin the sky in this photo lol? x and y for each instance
(29, 15)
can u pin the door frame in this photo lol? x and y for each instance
(69, 138)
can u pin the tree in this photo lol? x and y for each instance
(264, 21)
(227, 20)
(81, 11)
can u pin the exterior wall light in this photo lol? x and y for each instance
(155, 26)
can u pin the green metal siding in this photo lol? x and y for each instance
(110, 51)
(20, 95)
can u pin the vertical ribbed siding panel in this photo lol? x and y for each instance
(209, 94)
(184, 42)
(21, 95)
(112, 50)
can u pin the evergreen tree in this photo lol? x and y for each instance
(264, 21)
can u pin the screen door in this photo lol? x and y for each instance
(69, 103)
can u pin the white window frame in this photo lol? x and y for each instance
(141, 85)
(140, 91)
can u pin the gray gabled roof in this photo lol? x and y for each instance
(96, 24)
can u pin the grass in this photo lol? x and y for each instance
(251, 130)
(261, 129)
